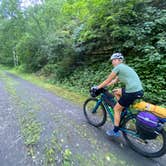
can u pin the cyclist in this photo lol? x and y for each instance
(125, 96)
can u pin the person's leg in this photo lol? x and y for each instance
(117, 93)
(117, 113)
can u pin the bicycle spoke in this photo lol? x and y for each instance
(94, 112)
(148, 147)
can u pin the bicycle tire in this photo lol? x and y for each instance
(139, 149)
(100, 119)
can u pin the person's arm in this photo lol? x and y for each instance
(108, 80)
(114, 81)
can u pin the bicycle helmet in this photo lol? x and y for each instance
(117, 56)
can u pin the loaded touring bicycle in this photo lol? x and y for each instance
(143, 130)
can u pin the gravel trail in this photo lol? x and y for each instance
(38, 128)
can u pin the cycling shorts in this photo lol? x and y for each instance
(128, 98)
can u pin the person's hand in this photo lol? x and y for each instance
(93, 91)
(94, 88)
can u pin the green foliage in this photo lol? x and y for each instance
(71, 40)
(66, 66)
(48, 69)
(30, 52)
(31, 129)
(67, 154)
(152, 76)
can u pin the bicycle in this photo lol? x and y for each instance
(96, 109)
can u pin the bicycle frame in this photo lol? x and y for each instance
(105, 103)
(110, 111)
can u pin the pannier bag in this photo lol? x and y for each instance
(157, 110)
(147, 125)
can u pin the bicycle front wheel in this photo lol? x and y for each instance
(146, 147)
(94, 112)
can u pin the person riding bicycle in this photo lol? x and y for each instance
(125, 96)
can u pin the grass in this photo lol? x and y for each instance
(55, 154)
(30, 128)
(57, 89)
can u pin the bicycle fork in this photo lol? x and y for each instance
(96, 106)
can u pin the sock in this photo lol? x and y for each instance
(116, 128)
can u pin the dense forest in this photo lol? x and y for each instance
(70, 41)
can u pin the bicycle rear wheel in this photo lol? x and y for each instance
(149, 147)
(94, 112)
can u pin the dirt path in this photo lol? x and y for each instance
(38, 128)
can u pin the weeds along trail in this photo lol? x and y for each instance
(55, 132)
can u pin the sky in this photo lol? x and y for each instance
(27, 3)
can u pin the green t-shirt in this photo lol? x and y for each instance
(129, 77)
